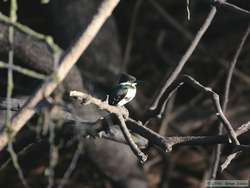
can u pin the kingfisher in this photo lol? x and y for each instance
(125, 91)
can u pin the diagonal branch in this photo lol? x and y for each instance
(225, 5)
(141, 156)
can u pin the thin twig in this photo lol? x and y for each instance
(66, 63)
(167, 95)
(166, 119)
(170, 95)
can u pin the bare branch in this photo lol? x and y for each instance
(228, 6)
(141, 156)
(87, 99)
(167, 143)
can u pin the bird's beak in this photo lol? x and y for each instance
(139, 82)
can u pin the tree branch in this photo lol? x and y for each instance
(228, 6)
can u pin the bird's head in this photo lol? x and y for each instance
(126, 79)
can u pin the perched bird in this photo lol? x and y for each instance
(124, 92)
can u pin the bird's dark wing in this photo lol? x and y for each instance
(117, 93)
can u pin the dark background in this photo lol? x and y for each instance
(156, 48)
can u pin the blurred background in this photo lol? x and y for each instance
(147, 39)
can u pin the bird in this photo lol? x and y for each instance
(124, 91)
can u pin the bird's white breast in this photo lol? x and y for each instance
(129, 96)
